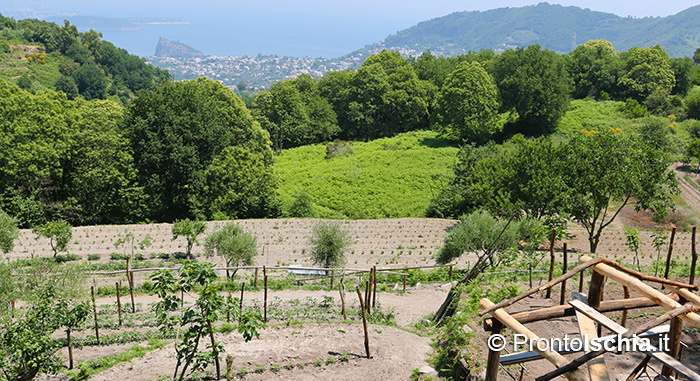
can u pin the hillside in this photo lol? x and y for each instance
(39, 55)
(175, 49)
(554, 27)
(384, 178)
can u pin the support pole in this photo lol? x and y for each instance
(374, 287)
(565, 268)
(119, 302)
(670, 251)
(364, 320)
(623, 321)
(694, 259)
(494, 358)
(342, 299)
(552, 258)
(265, 298)
(94, 312)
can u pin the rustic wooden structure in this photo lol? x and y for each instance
(590, 321)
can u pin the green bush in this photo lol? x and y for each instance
(329, 241)
(93, 257)
(62, 258)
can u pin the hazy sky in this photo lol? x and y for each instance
(297, 27)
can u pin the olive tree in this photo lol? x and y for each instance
(236, 246)
(329, 242)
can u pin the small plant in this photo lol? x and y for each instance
(318, 363)
(289, 366)
(274, 368)
(344, 357)
(330, 360)
(242, 372)
(260, 369)
(93, 257)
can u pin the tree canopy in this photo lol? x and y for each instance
(184, 133)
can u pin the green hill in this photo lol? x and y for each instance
(554, 27)
(38, 55)
(384, 178)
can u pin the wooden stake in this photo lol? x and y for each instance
(674, 346)
(404, 283)
(70, 349)
(494, 358)
(565, 268)
(368, 292)
(119, 302)
(595, 293)
(94, 312)
(670, 251)
(255, 282)
(342, 299)
(374, 287)
(623, 321)
(580, 281)
(332, 276)
(451, 272)
(265, 302)
(552, 258)
(215, 351)
(638, 368)
(240, 304)
(130, 279)
(694, 260)
(364, 320)
(228, 309)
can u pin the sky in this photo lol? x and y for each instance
(315, 28)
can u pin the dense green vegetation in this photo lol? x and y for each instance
(384, 178)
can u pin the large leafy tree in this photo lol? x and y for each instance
(467, 104)
(386, 97)
(607, 171)
(534, 83)
(177, 131)
(294, 113)
(58, 232)
(645, 71)
(594, 67)
(236, 246)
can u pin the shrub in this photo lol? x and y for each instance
(329, 242)
(338, 148)
(67, 258)
(93, 257)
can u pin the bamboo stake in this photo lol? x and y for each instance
(94, 312)
(364, 320)
(552, 258)
(119, 302)
(670, 251)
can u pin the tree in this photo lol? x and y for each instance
(236, 246)
(68, 86)
(467, 104)
(190, 230)
(594, 67)
(91, 81)
(129, 241)
(8, 232)
(176, 131)
(692, 102)
(301, 206)
(535, 84)
(58, 232)
(606, 171)
(385, 97)
(24, 82)
(329, 242)
(644, 71)
(696, 56)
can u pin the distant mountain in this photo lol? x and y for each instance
(554, 27)
(175, 49)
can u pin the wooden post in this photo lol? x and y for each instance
(70, 349)
(451, 272)
(265, 298)
(368, 285)
(332, 276)
(215, 351)
(580, 281)
(565, 268)
(694, 259)
(552, 258)
(228, 309)
(240, 303)
(255, 282)
(404, 283)
(119, 302)
(670, 251)
(494, 358)
(674, 345)
(130, 279)
(342, 299)
(364, 320)
(595, 293)
(623, 321)
(374, 287)
(94, 312)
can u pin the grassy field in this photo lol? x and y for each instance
(384, 178)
